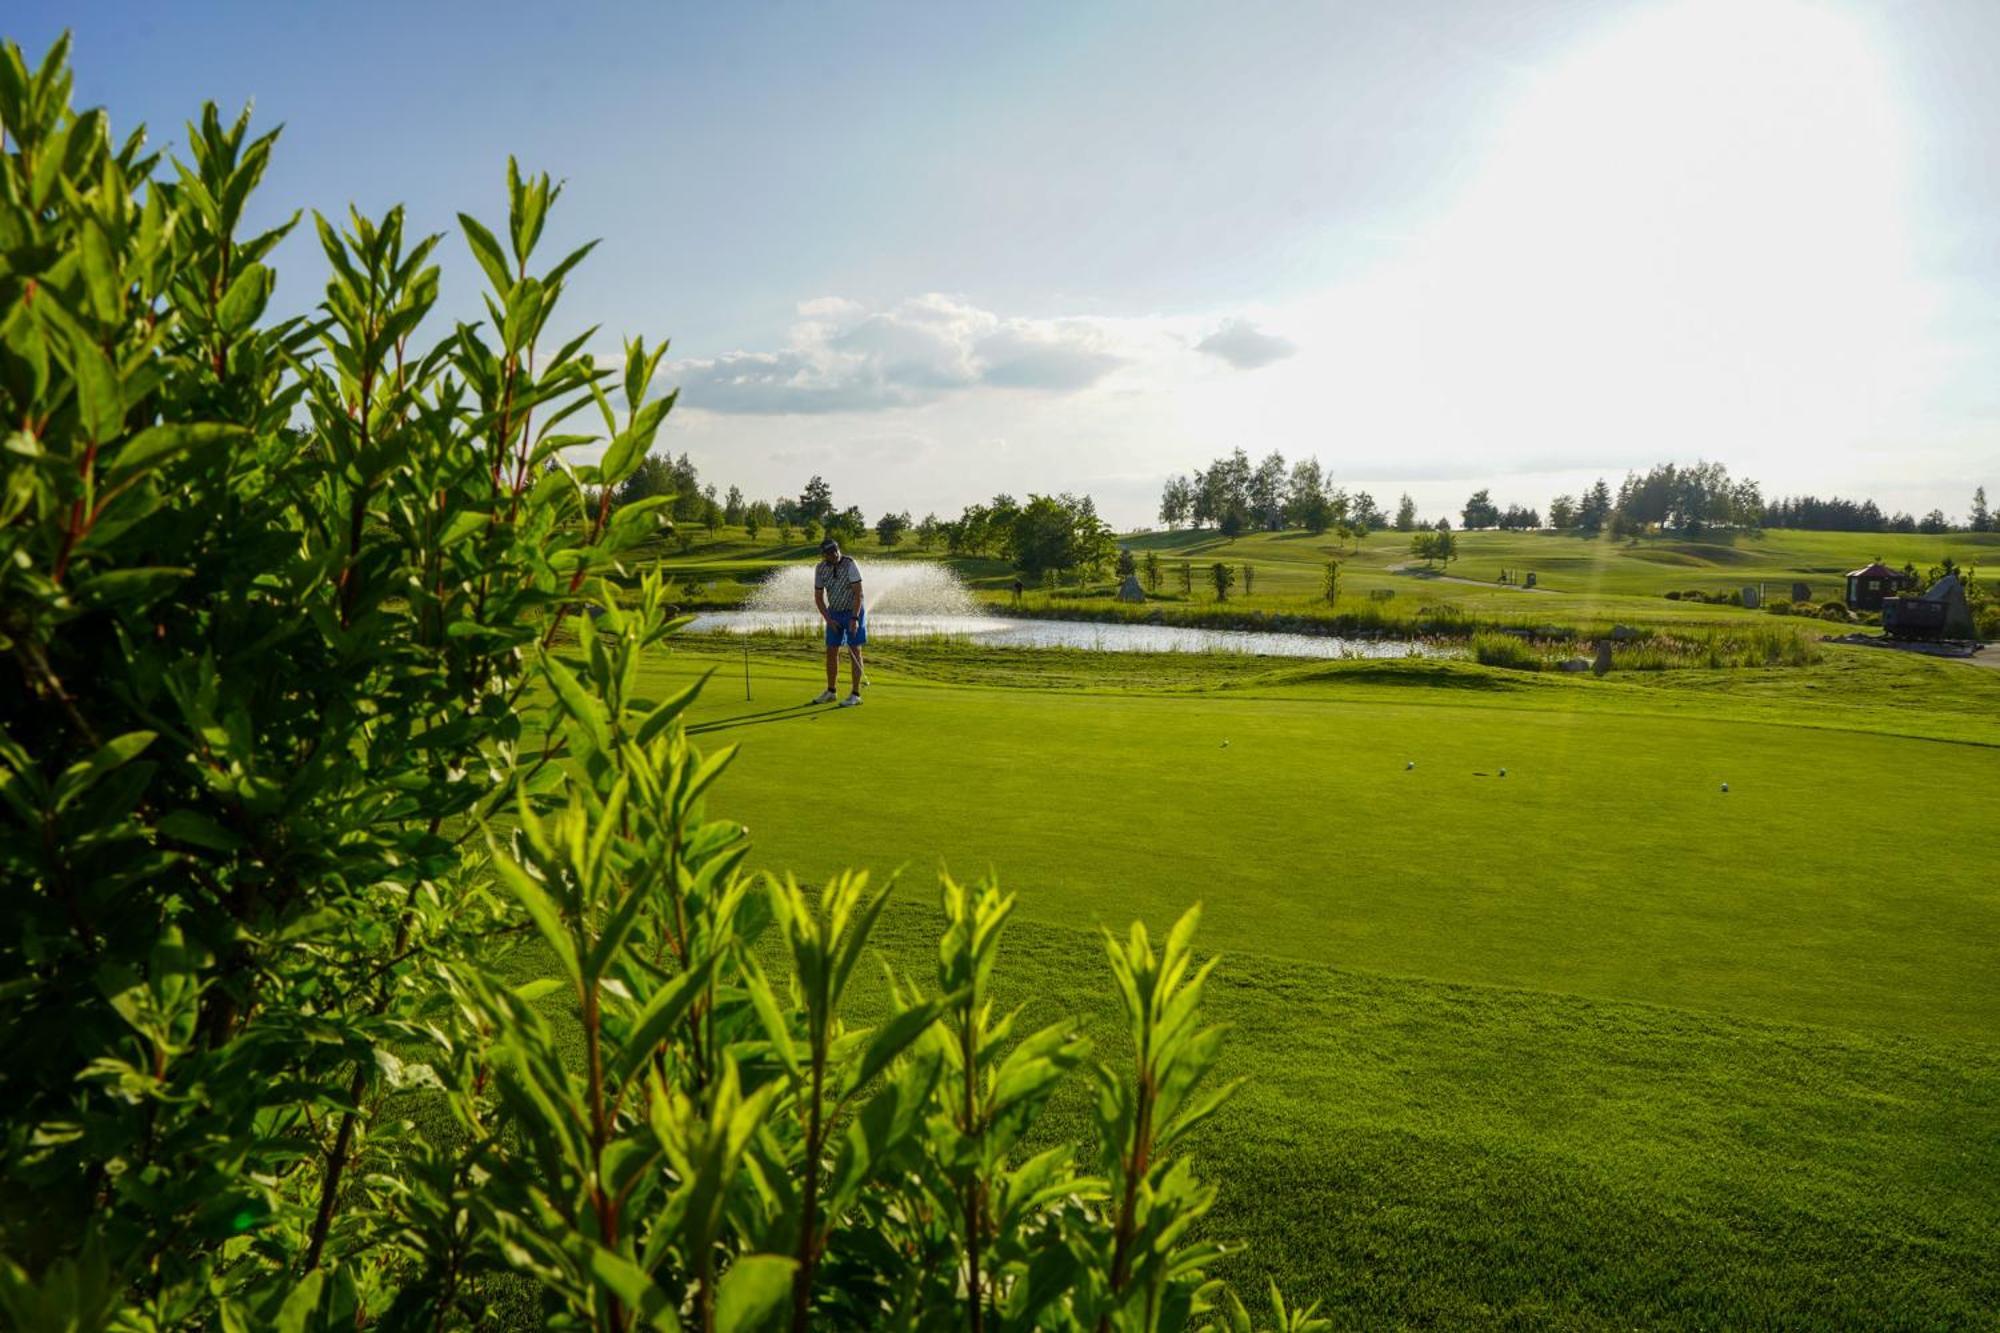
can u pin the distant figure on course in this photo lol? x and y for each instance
(837, 593)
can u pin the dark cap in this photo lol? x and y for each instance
(829, 546)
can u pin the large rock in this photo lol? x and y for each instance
(1603, 662)
(1130, 591)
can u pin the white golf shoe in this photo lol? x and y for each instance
(851, 701)
(825, 697)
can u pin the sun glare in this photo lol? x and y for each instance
(1688, 229)
(1695, 221)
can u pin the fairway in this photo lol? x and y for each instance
(1608, 862)
(1591, 1042)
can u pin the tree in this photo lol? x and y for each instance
(1267, 493)
(755, 517)
(1187, 579)
(1222, 494)
(1562, 513)
(815, 504)
(1435, 546)
(1329, 588)
(889, 529)
(1153, 571)
(1480, 511)
(1595, 509)
(653, 477)
(1222, 578)
(1249, 579)
(1128, 564)
(733, 508)
(1366, 513)
(929, 530)
(1058, 534)
(1306, 502)
(1176, 501)
(1980, 520)
(845, 526)
(1406, 514)
(711, 514)
(1934, 522)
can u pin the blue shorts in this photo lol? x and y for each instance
(844, 629)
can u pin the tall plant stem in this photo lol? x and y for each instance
(802, 1281)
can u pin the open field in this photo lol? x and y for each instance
(1592, 1044)
(1580, 583)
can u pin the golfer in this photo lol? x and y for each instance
(837, 593)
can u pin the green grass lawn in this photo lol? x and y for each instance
(1583, 583)
(1594, 1044)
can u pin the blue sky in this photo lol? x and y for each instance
(935, 251)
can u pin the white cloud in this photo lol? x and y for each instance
(1245, 346)
(843, 357)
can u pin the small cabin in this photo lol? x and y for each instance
(1867, 588)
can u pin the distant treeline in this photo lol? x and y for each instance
(1232, 495)
(1043, 536)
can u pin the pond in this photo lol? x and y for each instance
(1009, 632)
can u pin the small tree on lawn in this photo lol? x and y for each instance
(1187, 579)
(1330, 582)
(1224, 578)
(1128, 565)
(1249, 579)
(1153, 571)
(889, 529)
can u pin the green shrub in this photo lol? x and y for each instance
(306, 759)
(1834, 611)
(1504, 650)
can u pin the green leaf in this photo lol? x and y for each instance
(191, 826)
(100, 396)
(100, 271)
(629, 1283)
(294, 1314)
(656, 721)
(462, 525)
(754, 1290)
(530, 991)
(577, 702)
(540, 907)
(666, 1008)
(621, 458)
(248, 293)
(894, 1037)
(141, 586)
(156, 444)
(84, 773)
(486, 249)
